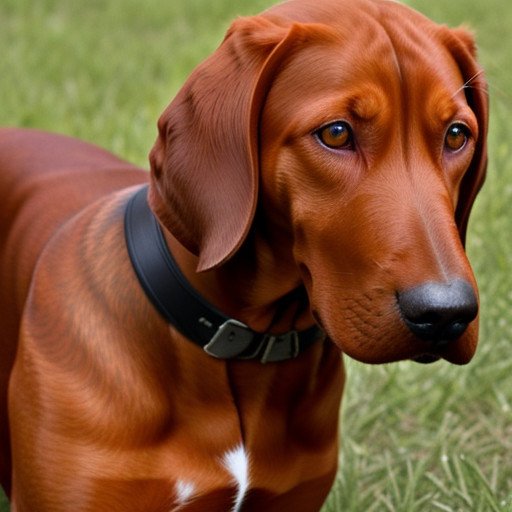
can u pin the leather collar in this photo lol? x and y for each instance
(183, 307)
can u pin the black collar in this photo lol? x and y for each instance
(185, 309)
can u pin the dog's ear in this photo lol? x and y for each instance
(204, 164)
(461, 44)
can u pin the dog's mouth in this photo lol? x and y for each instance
(426, 358)
(365, 342)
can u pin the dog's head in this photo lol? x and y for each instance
(359, 129)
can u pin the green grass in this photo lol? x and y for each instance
(435, 438)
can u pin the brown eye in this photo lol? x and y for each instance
(337, 135)
(456, 137)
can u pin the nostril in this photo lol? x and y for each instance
(430, 317)
(439, 312)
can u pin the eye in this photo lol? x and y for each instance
(337, 135)
(456, 137)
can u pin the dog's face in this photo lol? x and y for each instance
(366, 152)
(363, 143)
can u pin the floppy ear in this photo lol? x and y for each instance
(462, 46)
(204, 164)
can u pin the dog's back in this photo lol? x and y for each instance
(39, 191)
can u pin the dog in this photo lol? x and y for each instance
(172, 340)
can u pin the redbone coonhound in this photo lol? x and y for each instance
(172, 341)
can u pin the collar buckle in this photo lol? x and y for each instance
(233, 339)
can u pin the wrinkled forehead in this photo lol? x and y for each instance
(374, 51)
(376, 29)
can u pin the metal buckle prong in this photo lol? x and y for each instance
(280, 347)
(270, 340)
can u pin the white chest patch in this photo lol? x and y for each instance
(184, 491)
(237, 462)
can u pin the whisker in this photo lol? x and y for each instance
(477, 88)
(467, 85)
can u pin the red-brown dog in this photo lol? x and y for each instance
(318, 169)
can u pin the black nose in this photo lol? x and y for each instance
(439, 312)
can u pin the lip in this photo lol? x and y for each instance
(426, 358)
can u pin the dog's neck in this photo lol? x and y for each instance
(256, 286)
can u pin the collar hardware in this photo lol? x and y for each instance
(232, 339)
(235, 339)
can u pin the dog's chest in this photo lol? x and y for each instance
(235, 466)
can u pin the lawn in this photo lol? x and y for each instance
(415, 438)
